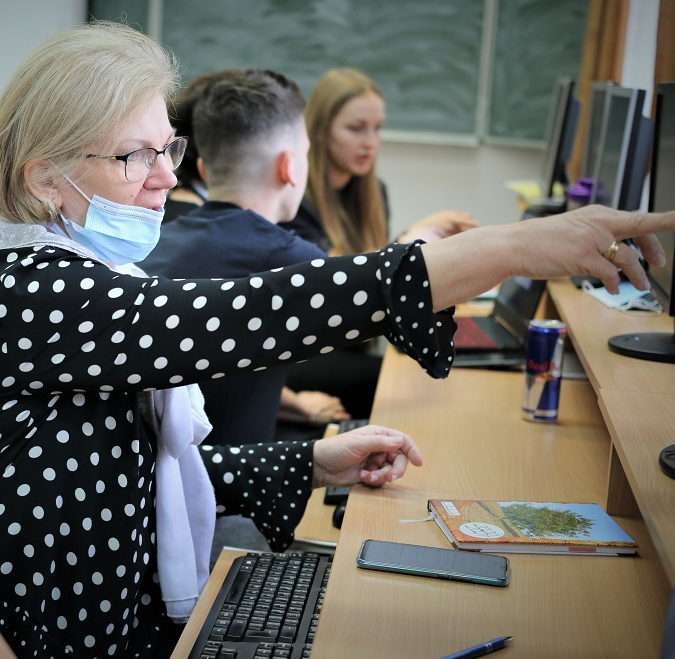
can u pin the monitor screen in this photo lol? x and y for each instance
(622, 156)
(659, 346)
(561, 126)
(613, 151)
(596, 120)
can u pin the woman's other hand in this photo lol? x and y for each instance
(439, 225)
(311, 407)
(373, 455)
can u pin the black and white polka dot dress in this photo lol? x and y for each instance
(78, 344)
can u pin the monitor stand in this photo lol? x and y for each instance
(667, 460)
(652, 346)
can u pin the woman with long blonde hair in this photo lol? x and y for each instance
(345, 210)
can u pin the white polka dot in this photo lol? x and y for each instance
(277, 303)
(239, 302)
(360, 298)
(339, 278)
(297, 280)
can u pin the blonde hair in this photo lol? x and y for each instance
(74, 90)
(357, 223)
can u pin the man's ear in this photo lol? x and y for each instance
(201, 169)
(38, 177)
(286, 167)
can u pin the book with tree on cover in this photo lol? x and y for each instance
(530, 527)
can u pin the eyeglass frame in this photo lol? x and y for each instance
(125, 157)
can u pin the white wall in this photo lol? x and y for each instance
(27, 23)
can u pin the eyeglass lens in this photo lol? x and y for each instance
(140, 163)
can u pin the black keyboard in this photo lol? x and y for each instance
(351, 424)
(267, 608)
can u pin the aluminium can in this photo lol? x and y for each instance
(543, 369)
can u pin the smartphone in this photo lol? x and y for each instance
(435, 562)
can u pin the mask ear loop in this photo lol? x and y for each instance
(640, 304)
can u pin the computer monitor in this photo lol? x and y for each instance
(622, 158)
(597, 112)
(659, 346)
(561, 126)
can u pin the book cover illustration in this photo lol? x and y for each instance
(530, 526)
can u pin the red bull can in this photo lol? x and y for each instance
(543, 369)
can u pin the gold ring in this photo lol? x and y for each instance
(610, 254)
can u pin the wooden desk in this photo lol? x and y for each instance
(475, 444)
(590, 324)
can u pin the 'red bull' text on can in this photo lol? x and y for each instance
(543, 369)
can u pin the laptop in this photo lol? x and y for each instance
(500, 339)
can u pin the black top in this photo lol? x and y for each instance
(220, 239)
(308, 223)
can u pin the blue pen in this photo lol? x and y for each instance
(482, 649)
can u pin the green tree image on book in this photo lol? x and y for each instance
(545, 522)
(528, 526)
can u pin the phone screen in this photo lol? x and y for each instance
(435, 562)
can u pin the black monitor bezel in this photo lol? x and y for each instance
(559, 136)
(665, 297)
(630, 135)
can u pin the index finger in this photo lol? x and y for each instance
(639, 225)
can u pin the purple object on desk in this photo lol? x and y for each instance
(580, 193)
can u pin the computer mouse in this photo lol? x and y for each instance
(338, 514)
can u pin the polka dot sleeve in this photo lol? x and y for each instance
(270, 483)
(80, 326)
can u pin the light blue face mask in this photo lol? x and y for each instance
(116, 232)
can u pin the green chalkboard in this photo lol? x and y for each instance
(427, 55)
(537, 42)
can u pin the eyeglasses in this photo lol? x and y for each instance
(139, 163)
